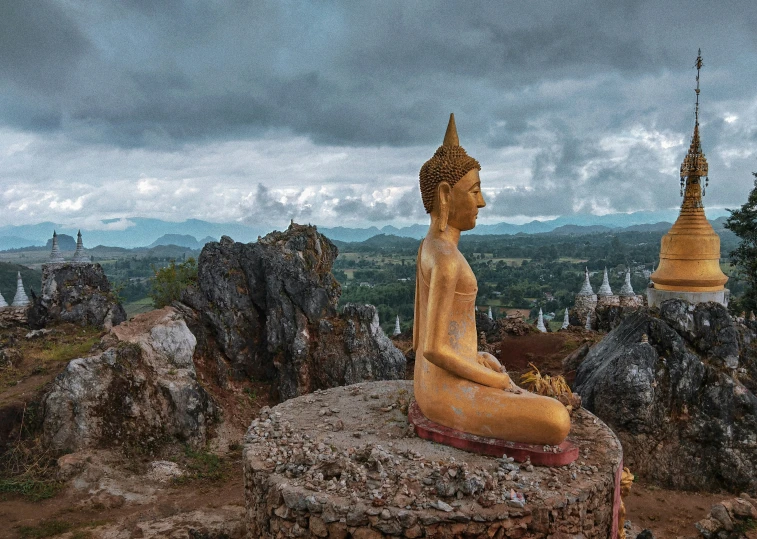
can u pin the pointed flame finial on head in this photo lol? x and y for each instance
(450, 137)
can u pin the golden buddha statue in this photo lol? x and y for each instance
(690, 252)
(455, 385)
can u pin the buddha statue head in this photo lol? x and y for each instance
(450, 185)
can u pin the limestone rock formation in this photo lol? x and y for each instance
(496, 330)
(79, 293)
(729, 518)
(683, 403)
(140, 392)
(608, 317)
(271, 309)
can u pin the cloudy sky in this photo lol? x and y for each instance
(324, 111)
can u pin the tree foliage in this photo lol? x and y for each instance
(743, 223)
(169, 282)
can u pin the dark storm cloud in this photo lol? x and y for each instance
(262, 208)
(340, 73)
(351, 206)
(570, 106)
(39, 44)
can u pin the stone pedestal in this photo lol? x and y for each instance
(13, 317)
(584, 306)
(656, 296)
(631, 301)
(345, 463)
(607, 301)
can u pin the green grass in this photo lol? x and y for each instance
(50, 528)
(138, 307)
(201, 465)
(67, 351)
(746, 526)
(47, 528)
(32, 489)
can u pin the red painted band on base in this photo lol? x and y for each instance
(560, 455)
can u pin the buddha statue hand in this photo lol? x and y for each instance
(487, 360)
(503, 381)
(490, 362)
(514, 388)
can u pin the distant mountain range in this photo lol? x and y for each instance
(182, 240)
(65, 243)
(133, 232)
(141, 232)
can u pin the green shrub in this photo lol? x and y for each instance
(168, 283)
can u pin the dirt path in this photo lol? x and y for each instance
(669, 513)
(75, 512)
(79, 511)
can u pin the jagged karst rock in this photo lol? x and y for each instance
(496, 330)
(684, 412)
(571, 362)
(729, 519)
(709, 330)
(608, 317)
(77, 293)
(270, 308)
(141, 392)
(485, 324)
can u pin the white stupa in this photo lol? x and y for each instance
(21, 300)
(490, 313)
(79, 256)
(565, 321)
(588, 321)
(627, 289)
(605, 289)
(540, 322)
(55, 256)
(3, 303)
(586, 289)
(397, 329)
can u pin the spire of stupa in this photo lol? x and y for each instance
(3, 303)
(20, 300)
(690, 251)
(79, 256)
(55, 256)
(605, 289)
(540, 322)
(694, 166)
(565, 320)
(397, 329)
(627, 289)
(586, 289)
(491, 317)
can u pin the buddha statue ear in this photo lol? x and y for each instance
(444, 194)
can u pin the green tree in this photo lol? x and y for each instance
(169, 282)
(743, 223)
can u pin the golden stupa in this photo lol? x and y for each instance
(690, 252)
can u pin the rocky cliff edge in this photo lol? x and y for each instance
(683, 403)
